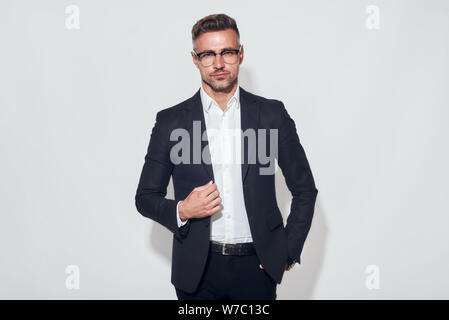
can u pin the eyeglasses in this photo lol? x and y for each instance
(207, 58)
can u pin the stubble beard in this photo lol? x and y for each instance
(221, 87)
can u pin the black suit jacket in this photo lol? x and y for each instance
(274, 243)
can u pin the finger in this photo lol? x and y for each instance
(208, 190)
(214, 210)
(204, 186)
(260, 266)
(214, 203)
(213, 195)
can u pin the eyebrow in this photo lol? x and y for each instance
(224, 49)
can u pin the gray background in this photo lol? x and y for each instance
(77, 109)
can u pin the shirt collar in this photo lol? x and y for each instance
(207, 101)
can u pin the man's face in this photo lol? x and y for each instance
(220, 76)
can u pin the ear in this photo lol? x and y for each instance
(241, 54)
(195, 59)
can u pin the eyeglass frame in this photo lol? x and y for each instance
(237, 51)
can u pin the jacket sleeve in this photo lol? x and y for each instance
(152, 188)
(298, 177)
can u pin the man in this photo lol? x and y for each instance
(229, 238)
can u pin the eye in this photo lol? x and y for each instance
(228, 53)
(207, 54)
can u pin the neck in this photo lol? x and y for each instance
(221, 97)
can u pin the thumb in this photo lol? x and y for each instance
(260, 266)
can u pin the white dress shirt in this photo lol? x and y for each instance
(230, 224)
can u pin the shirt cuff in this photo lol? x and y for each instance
(180, 222)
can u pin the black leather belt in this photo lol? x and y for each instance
(233, 249)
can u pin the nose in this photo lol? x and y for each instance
(218, 63)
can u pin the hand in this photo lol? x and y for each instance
(203, 201)
(287, 268)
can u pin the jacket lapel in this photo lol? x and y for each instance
(249, 118)
(194, 112)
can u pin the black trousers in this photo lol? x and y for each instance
(228, 277)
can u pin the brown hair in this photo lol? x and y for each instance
(214, 22)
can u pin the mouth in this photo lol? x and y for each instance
(219, 75)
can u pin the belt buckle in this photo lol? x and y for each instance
(223, 250)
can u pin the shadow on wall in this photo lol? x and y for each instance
(298, 283)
